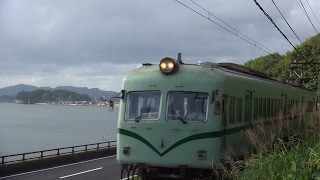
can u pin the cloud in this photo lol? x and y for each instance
(94, 43)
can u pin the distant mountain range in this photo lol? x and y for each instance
(92, 93)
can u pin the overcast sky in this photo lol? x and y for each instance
(94, 43)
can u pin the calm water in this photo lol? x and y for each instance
(25, 128)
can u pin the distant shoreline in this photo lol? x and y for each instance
(96, 105)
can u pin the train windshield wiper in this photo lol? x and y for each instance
(179, 117)
(137, 119)
(182, 120)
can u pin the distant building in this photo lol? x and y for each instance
(17, 101)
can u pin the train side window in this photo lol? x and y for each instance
(224, 109)
(310, 106)
(271, 110)
(268, 107)
(277, 107)
(274, 107)
(271, 107)
(260, 108)
(231, 109)
(264, 109)
(289, 105)
(248, 108)
(239, 110)
(256, 109)
(280, 106)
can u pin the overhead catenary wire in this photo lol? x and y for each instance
(233, 28)
(301, 7)
(306, 13)
(275, 25)
(313, 12)
(286, 21)
(254, 43)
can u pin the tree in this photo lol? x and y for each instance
(278, 66)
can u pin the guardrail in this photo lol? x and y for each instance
(55, 152)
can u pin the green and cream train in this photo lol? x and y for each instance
(176, 120)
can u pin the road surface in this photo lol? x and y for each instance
(106, 168)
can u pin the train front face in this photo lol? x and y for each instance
(167, 119)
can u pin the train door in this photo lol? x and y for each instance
(248, 107)
(224, 121)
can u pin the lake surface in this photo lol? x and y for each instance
(25, 128)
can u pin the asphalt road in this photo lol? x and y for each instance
(97, 169)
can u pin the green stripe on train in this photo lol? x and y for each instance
(212, 134)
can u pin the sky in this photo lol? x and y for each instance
(95, 43)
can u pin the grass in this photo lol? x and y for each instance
(283, 152)
(299, 162)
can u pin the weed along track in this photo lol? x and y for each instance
(284, 151)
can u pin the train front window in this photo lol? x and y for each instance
(187, 106)
(143, 105)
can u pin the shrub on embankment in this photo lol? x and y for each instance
(301, 161)
(295, 157)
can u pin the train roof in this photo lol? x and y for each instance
(248, 71)
(236, 68)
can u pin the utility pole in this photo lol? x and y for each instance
(297, 73)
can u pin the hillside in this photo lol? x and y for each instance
(14, 90)
(48, 96)
(278, 66)
(92, 93)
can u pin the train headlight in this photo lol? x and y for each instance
(168, 65)
(202, 154)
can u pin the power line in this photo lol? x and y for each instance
(233, 28)
(275, 25)
(306, 13)
(228, 30)
(313, 12)
(301, 7)
(286, 20)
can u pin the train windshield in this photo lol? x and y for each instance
(187, 106)
(143, 105)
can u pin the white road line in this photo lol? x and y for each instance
(129, 177)
(80, 173)
(56, 167)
